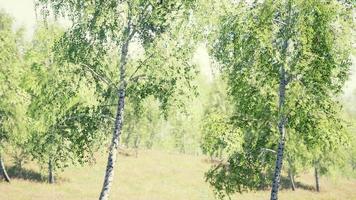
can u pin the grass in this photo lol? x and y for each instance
(155, 175)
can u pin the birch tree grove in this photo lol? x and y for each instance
(249, 95)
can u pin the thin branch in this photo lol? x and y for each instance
(268, 150)
(136, 78)
(140, 65)
(100, 76)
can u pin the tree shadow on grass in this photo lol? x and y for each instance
(25, 174)
(16, 172)
(286, 185)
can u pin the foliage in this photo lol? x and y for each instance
(158, 62)
(219, 136)
(14, 100)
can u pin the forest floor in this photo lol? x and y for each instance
(153, 175)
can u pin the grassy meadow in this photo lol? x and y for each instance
(154, 175)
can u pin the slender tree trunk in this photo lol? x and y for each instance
(317, 187)
(281, 105)
(109, 173)
(3, 170)
(136, 144)
(291, 178)
(128, 137)
(50, 172)
(291, 174)
(282, 132)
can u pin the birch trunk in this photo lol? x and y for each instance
(291, 174)
(281, 105)
(50, 172)
(109, 173)
(282, 132)
(3, 170)
(136, 143)
(291, 178)
(317, 187)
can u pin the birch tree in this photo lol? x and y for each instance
(103, 28)
(283, 60)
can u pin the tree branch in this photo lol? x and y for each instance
(101, 77)
(140, 65)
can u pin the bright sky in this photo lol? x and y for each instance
(23, 11)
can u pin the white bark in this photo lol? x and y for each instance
(3, 170)
(282, 131)
(109, 173)
(283, 81)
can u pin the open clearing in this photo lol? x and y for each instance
(155, 175)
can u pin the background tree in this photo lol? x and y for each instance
(142, 125)
(66, 124)
(219, 136)
(14, 100)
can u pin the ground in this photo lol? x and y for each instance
(154, 175)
